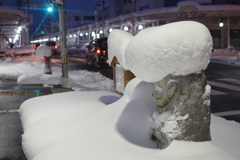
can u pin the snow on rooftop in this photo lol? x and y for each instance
(117, 43)
(178, 48)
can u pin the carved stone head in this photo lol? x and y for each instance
(183, 109)
(164, 90)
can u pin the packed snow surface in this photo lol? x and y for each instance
(32, 73)
(174, 48)
(100, 125)
(117, 43)
(18, 50)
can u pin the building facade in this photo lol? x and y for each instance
(221, 17)
(14, 27)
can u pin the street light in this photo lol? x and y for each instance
(49, 9)
(221, 24)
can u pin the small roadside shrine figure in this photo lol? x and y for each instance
(173, 57)
(46, 53)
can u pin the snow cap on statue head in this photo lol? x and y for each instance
(43, 51)
(178, 48)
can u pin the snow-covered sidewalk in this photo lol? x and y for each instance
(18, 51)
(31, 73)
(87, 125)
(102, 125)
(229, 58)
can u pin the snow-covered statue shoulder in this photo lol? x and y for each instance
(183, 109)
(174, 57)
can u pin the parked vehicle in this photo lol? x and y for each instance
(36, 45)
(97, 54)
(52, 45)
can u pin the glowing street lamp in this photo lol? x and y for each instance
(50, 8)
(221, 24)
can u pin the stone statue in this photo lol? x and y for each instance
(183, 109)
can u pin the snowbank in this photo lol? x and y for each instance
(96, 125)
(17, 51)
(38, 78)
(31, 73)
(14, 70)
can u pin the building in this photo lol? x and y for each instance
(14, 27)
(221, 17)
(76, 19)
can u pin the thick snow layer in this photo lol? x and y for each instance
(43, 51)
(14, 70)
(117, 43)
(174, 48)
(18, 50)
(32, 73)
(98, 125)
(33, 78)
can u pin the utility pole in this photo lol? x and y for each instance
(27, 27)
(104, 29)
(19, 4)
(62, 28)
(228, 30)
(133, 18)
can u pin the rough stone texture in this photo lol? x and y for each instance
(183, 109)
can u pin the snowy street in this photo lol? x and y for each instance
(92, 118)
(221, 105)
(165, 86)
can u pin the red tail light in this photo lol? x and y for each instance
(98, 51)
(55, 47)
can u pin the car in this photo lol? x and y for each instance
(36, 45)
(52, 45)
(96, 53)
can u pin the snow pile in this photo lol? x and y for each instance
(37, 78)
(31, 73)
(18, 51)
(117, 43)
(14, 70)
(88, 125)
(93, 80)
(174, 48)
(23, 49)
(8, 60)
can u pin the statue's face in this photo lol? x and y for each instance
(160, 90)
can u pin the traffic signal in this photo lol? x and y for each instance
(50, 8)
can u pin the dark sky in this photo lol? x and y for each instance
(38, 9)
(71, 6)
